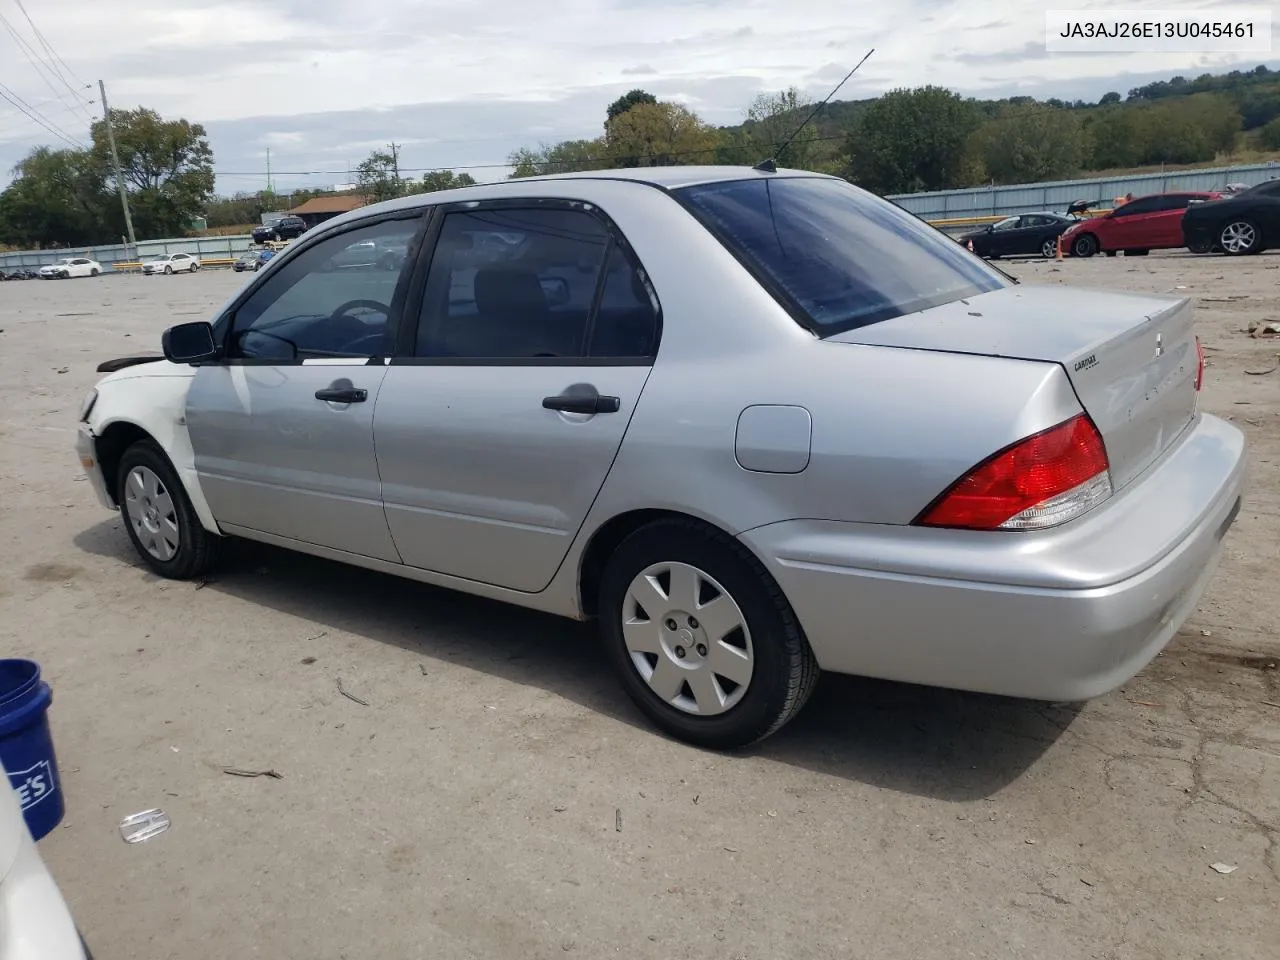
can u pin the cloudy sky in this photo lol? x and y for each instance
(322, 82)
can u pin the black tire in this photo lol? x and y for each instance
(1085, 245)
(95, 272)
(1201, 247)
(197, 548)
(168, 269)
(1229, 237)
(784, 670)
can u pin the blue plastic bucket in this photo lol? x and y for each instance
(26, 747)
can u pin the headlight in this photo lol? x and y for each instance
(86, 408)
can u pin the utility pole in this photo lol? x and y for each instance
(115, 160)
(269, 190)
(395, 165)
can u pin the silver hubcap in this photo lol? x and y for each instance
(1049, 249)
(687, 639)
(152, 513)
(1238, 237)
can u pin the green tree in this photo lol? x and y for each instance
(57, 198)
(771, 119)
(1270, 137)
(376, 177)
(568, 156)
(445, 180)
(167, 166)
(913, 140)
(659, 135)
(1112, 138)
(1026, 144)
(1108, 98)
(625, 102)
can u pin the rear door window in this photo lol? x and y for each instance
(835, 256)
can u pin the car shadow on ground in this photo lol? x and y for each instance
(925, 741)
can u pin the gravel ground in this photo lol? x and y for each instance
(499, 798)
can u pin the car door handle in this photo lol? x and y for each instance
(343, 395)
(582, 403)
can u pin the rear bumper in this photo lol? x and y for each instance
(87, 453)
(1067, 614)
(1198, 231)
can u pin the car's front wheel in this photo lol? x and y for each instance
(1085, 245)
(159, 516)
(1240, 237)
(702, 638)
(168, 269)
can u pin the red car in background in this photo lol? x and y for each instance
(1136, 227)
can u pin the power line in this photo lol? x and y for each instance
(8, 116)
(35, 60)
(500, 166)
(49, 47)
(22, 105)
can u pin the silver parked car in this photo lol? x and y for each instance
(757, 424)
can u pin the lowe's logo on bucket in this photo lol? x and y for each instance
(33, 784)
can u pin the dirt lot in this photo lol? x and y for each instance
(498, 798)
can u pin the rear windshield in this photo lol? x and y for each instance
(837, 257)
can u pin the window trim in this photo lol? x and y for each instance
(225, 322)
(407, 332)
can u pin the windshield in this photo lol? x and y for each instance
(837, 257)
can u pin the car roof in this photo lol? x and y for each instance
(663, 178)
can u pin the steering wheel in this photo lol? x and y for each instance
(349, 332)
(341, 310)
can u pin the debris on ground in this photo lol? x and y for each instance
(423, 669)
(617, 819)
(237, 772)
(350, 696)
(1264, 328)
(307, 661)
(144, 825)
(1224, 868)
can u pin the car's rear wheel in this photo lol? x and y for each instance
(159, 516)
(702, 638)
(1240, 237)
(94, 272)
(1085, 245)
(1049, 249)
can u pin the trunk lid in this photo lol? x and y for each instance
(1131, 358)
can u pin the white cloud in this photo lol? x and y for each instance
(463, 82)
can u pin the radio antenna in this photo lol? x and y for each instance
(771, 165)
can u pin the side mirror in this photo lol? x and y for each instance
(189, 343)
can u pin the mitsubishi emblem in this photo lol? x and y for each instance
(1159, 345)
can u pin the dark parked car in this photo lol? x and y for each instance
(286, 228)
(1027, 234)
(1246, 222)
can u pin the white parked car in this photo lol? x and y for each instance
(37, 925)
(172, 263)
(70, 267)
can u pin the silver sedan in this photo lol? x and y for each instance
(756, 424)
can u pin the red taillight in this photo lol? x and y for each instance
(1048, 478)
(1199, 365)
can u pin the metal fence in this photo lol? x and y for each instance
(1031, 197)
(206, 248)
